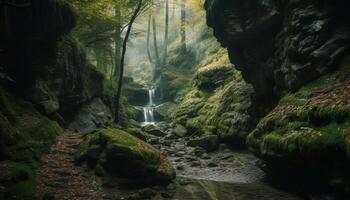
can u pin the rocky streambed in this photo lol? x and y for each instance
(220, 174)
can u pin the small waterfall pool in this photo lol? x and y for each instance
(148, 111)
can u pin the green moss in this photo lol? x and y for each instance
(115, 152)
(25, 135)
(19, 179)
(6, 106)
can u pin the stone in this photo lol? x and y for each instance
(154, 130)
(180, 130)
(127, 156)
(207, 142)
(137, 132)
(147, 193)
(180, 167)
(195, 163)
(165, 109)
(294, 51)
(212, 164)
(91, 117)
(167, 195)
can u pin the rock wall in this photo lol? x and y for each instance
(280, 45)
(300, 48)
(44, 64)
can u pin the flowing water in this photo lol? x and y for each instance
(148, 111)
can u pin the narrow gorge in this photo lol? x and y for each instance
(174, 99)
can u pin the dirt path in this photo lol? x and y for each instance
(60, 177)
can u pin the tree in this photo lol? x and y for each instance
(166, 34)
(117, 37)
(183, 25)
(121, 74)
(155, 45)
(148, 39)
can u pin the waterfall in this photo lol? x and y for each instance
(148, 111)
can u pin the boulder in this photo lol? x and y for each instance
(211, 77)
(91, 117)
(180, 130)
(207, 142)
(154, 130)
(113, 152)
(136, 94)
(165, 110)
(137, 132)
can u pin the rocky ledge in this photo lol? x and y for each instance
(281, 45)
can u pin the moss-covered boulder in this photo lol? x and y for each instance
(207, 142)
(154, 130)
(180, 130)
(113, 152)
(310, 129)
(212, 76)
(165, 110)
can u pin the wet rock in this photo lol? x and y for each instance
(137, 132)
(207, 142)
(195, 163)
(199, 151)
(189, 158)
(205, 156)
(212, 164)
(147, 193)
(167, 195)
(153, 140)
(167, 143)
(136, 94)
(180, 167)
(154, 130)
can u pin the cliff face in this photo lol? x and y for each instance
(44, 77)
(42, 65)
(300, 48)
(280, 45)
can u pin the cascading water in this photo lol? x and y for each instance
(148, 111)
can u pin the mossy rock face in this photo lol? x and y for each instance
(211, 77)
(24, 136)
(136, 94)
(310, 128)
(123, 155)
(207, 142)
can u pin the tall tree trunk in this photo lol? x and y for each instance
(117, 38)
(155, 41)
(148, 39)
(121, 74)
(166, 34)
(173, 14)
(183, 25)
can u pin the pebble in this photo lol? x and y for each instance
(195, 163)
(180, 167)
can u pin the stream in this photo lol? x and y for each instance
(220, 175)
